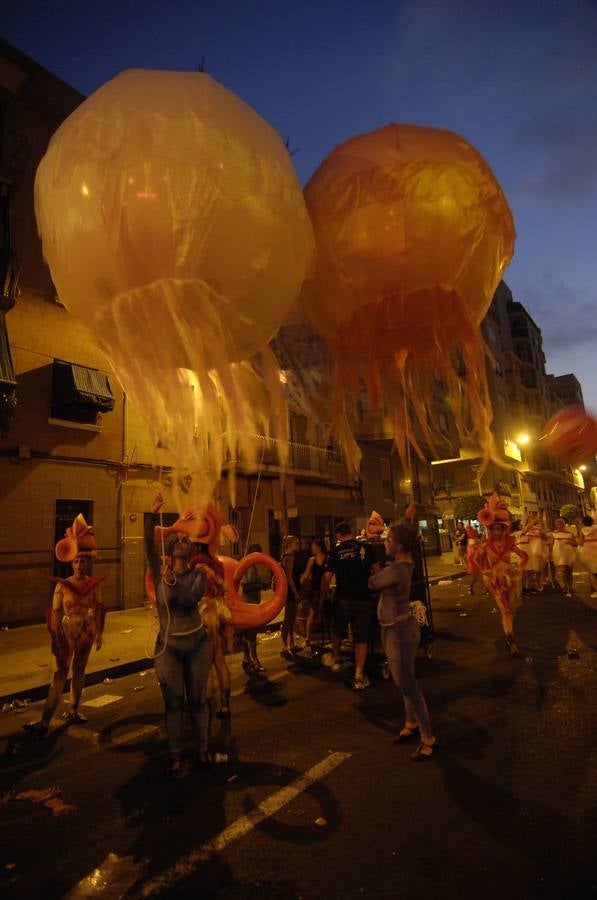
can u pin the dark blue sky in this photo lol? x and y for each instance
(517, 79)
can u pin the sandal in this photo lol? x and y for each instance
(425, 752)
(406, 734)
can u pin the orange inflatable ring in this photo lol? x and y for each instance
(245, 616)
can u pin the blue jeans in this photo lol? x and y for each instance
(400, 644)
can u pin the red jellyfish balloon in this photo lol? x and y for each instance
(412, 235)
(571, 435)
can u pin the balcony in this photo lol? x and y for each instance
(324, 463)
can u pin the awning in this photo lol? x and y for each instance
(77, 387)
(7, 372)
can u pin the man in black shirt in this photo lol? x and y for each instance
(350, 561)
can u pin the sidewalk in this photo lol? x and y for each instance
(129, 638)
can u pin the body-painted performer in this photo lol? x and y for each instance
(493, 558)
(75, 622)
(183, 652)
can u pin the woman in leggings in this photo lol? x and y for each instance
(400, 634)
(183, 654)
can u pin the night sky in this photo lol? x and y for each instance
(517, 79)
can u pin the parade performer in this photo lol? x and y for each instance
(252, 586)
(586, 530)
(401, 634)
(183, 651)
(75, 622)
(538, 552)
(215, 616)
(563, 552)
(493, 558)
(472, 541)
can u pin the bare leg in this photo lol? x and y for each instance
(80, 659)
(360, 656)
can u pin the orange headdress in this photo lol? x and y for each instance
(200, 529)
(495, 511)
(78, 541)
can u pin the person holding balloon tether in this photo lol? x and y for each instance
(183, 652)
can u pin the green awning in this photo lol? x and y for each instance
(7, 372)
(78, 389)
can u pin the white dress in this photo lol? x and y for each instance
(588, 552)
(537, 549)
(564, 547)
(522, 541)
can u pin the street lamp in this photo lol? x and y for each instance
(523, 438)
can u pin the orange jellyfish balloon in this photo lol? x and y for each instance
(175, 228)
(413, 234)
(571, 435)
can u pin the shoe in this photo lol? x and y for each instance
(248, 666)
(257, 667)
(37, 729)
(425, 752)
(295, 650)
(406, 734)
(360, 682)
(286, 654)
(568, 595)
(512, 646)
(224, 713)
(336, 666)
(73, 717)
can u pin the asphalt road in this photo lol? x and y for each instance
(315, 800)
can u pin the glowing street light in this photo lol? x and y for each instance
(523, 438)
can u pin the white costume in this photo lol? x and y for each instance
(564, 547)
(588, 551)
(537, 549)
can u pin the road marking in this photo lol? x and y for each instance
(187, 864)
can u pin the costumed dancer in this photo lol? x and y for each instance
(183, 652)
(401, 634)
(472, 541)
(75, 622)
(537, 550)
(493, 558)
(586, 530)
(215, 615)
(563, 552)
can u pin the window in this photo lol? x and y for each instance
(499, 369)
(491, 335)
(387, 482)
(79, 393)
(502, 402)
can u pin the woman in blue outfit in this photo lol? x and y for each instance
(183, 654)
(400, 635)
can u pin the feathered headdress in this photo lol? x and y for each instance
(200, 529)
(78, 541)
(495, 511)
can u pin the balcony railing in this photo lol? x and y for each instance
(310, 459)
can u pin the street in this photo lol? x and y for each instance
(315, 800)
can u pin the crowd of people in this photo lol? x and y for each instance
(362, 585)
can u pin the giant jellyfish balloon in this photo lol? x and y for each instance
(175, 229)
(412, 234)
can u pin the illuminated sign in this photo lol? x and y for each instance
(512, 450)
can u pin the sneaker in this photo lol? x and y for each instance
(360, 682)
